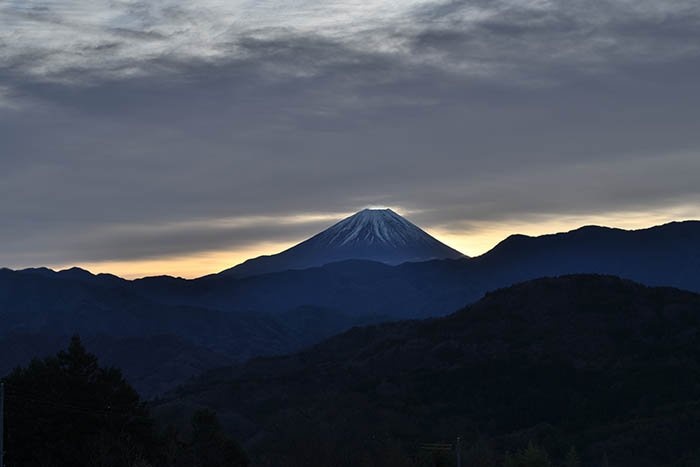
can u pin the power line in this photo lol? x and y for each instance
(108, 411)
(23, 392)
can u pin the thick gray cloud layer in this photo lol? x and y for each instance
(129, 128)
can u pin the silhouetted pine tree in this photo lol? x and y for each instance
(66, 410)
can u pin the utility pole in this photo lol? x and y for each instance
(2, 424)
(459, 452)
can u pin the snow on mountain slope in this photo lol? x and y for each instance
(374, 226)
(372, 234)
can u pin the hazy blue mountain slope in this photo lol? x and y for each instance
(39, 303)
(157, 344)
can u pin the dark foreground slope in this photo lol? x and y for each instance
(609, 366)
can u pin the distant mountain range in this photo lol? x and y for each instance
(372, 234)
(40, 309)
(596, 362)
(665, 255)
(235, 318)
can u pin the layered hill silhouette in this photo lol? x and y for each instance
(40, 309)
(225, 316)
(596, 362)
(371, 234)
(665, 255)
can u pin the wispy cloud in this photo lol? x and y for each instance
(129, 129)
(87, 39)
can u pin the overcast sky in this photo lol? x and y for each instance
(180, 137)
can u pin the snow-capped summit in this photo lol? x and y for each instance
(371, 234)
(374, 227)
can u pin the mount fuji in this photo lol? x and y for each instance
(371, 234)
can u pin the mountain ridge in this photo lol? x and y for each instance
(506, 242)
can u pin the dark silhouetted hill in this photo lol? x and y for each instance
(600, 363)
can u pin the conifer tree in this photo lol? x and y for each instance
(66, 410)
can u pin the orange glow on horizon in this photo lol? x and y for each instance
(476, 239)
(187, 266)
(483, 236)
